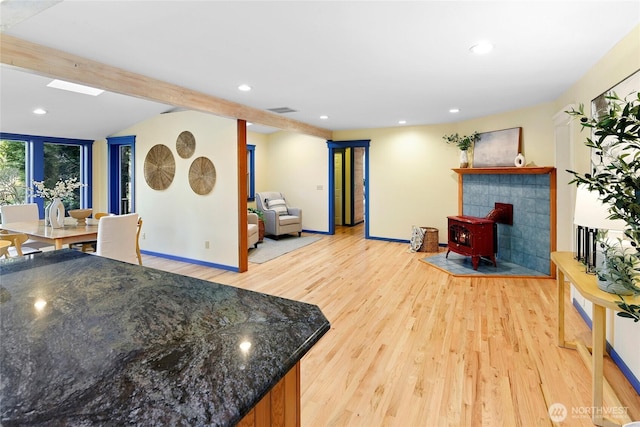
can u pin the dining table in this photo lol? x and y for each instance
(71, 232)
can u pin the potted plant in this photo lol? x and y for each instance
(620, 269)
(616, 178)
(54, 211)
(260, 222)
(463, 143)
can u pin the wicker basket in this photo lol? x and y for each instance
(430, 241)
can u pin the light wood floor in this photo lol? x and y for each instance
(411, 346)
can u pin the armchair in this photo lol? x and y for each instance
(252, 232)
(279, 218)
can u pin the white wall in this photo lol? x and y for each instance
(178, 221)
(411, 178)
(261, 141)
(614, 67)
(297, 165)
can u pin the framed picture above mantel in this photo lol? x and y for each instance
(497, 148)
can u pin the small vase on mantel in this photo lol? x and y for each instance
(464, 159)
(55, 214)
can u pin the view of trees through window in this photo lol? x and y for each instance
(61, 161)
(12, 172)
(126, 198)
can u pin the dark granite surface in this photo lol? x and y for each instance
(120, 344)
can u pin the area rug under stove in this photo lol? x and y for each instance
(460, 265)
(270, 248)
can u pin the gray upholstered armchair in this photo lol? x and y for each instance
(279, 218)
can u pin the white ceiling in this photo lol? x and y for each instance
(365, 64)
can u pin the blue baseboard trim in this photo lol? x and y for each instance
(192, 261)
(316, 232)
(635, 383)
(386, 239)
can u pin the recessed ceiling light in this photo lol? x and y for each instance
(402, 122)
(454, 110)
(249, 123)
(40, 111)
(73, 87)
(481, 48)
(323, 117)
(244, 88)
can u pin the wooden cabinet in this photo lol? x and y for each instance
(471, 236)
(280, 407)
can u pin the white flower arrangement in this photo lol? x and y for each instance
(62, 189)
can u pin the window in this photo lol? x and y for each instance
(28, 158)
(12, 172)
(61, 162)
(251, 176)
(121, 174)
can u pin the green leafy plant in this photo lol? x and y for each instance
(462, 142)
(617, 179)
(257, 212)
(629, 311)
(621, 266)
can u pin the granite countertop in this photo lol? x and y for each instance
(87, 340)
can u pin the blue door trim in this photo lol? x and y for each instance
(113, 174)
(333, 146)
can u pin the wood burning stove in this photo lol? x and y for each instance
(477, 237)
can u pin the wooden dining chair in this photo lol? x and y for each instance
(117, 237)
(16, 241)
(138, 241)
(4, 248)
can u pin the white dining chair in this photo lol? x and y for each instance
(23, 213)
(117, 237)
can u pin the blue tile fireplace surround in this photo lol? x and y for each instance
(531, 191)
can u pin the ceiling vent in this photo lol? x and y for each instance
(281, 110)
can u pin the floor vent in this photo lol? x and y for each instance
(282, 110)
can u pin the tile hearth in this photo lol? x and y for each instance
(460, 265)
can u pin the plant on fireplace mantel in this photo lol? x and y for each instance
(463, 143)
(616, 178)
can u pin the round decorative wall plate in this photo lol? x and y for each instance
(159, 167)
(186, 144)
(202, 176)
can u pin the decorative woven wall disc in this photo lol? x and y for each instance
(202, 176)
(186, 144)
(159, 167)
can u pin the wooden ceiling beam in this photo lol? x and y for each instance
(58, 64)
